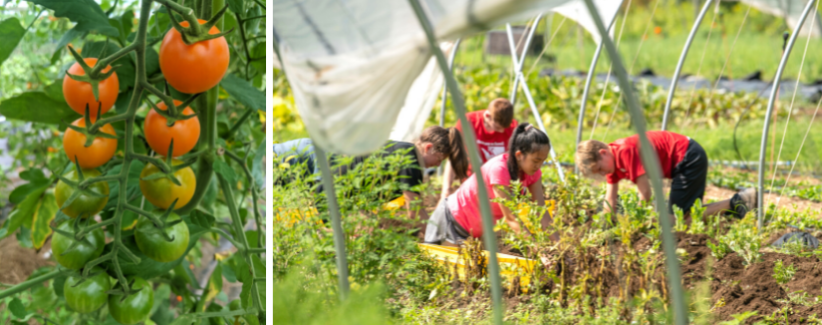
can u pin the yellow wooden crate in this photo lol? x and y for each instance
(510, 266)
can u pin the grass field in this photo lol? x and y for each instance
(759, 46)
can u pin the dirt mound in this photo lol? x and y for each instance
(696, 246)
(17, 263)
(739, 289)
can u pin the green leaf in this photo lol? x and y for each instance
(42, 217)
(236, 6)
(86, 13)
(48, 110)
(22, 213)
(152, 61)
(244, 92)
(186, 319)
(201, 219)
(258, 52)
(69, 36)
(220, 167)
(11, 32)
(124, 24)
(228, 273)
(58, 283)
(257, 165)
(251, 236)
(17, 308)
(55, 91)
(21, 192)
(213, 288)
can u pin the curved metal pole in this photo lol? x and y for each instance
(771, 100)
(476, 164)
(445, 85)
(518, 64)
(681, 62)
(336, 224)
(651, 162)
(588, 79)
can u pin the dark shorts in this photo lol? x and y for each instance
(688, 178)
(442, 226)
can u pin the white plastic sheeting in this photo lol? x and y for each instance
(351, 63)
(790, 10)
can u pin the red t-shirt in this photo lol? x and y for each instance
(669, 146)
(491, 144)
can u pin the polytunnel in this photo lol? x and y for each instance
(365, 70)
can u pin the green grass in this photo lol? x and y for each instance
(759, 46)
(718, 142)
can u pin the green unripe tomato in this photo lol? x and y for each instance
(84, 205)
(153, 244)
(134, 308)
(89, 295)
(90, 247)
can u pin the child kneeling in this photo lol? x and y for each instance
(458, 216)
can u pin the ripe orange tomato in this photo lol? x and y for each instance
(78, 94)
(194, 68)
(184, 132)
(98, 153)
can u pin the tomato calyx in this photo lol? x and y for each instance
(79, 234)
(165, 170)
(124, 290)
(162, 223)
(81, 187)
(93, 76)
(91, 130)
(173, 113)
(195, 32)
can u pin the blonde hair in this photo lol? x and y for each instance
(587, 155)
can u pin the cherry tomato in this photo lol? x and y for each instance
(153, 244)
(193, 68)
(90, 247)
(89, 295)
(161, 192)
(136, 307)
(84, 205)
(78, 94)
(98, 153)
(185, 133)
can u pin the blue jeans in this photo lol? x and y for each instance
(296, 152)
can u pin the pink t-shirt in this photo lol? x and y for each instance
(464, 203)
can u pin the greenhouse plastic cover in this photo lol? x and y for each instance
(354, 64)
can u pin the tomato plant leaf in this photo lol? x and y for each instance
(69, 36)
(228, 273)
(48, 110)
(220, 167)
(243, 92)
(201, 219)
(22, 213)
(42, 217)
(236, 6)
(186, 319)
(215, 284)
(124, 24)
(86, 13)
(58, 283)
(21, 192)
(17, 308)
(11, 32)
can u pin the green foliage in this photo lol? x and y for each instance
(783, 274)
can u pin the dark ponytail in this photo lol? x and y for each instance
(448, 141)
(526, 139)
